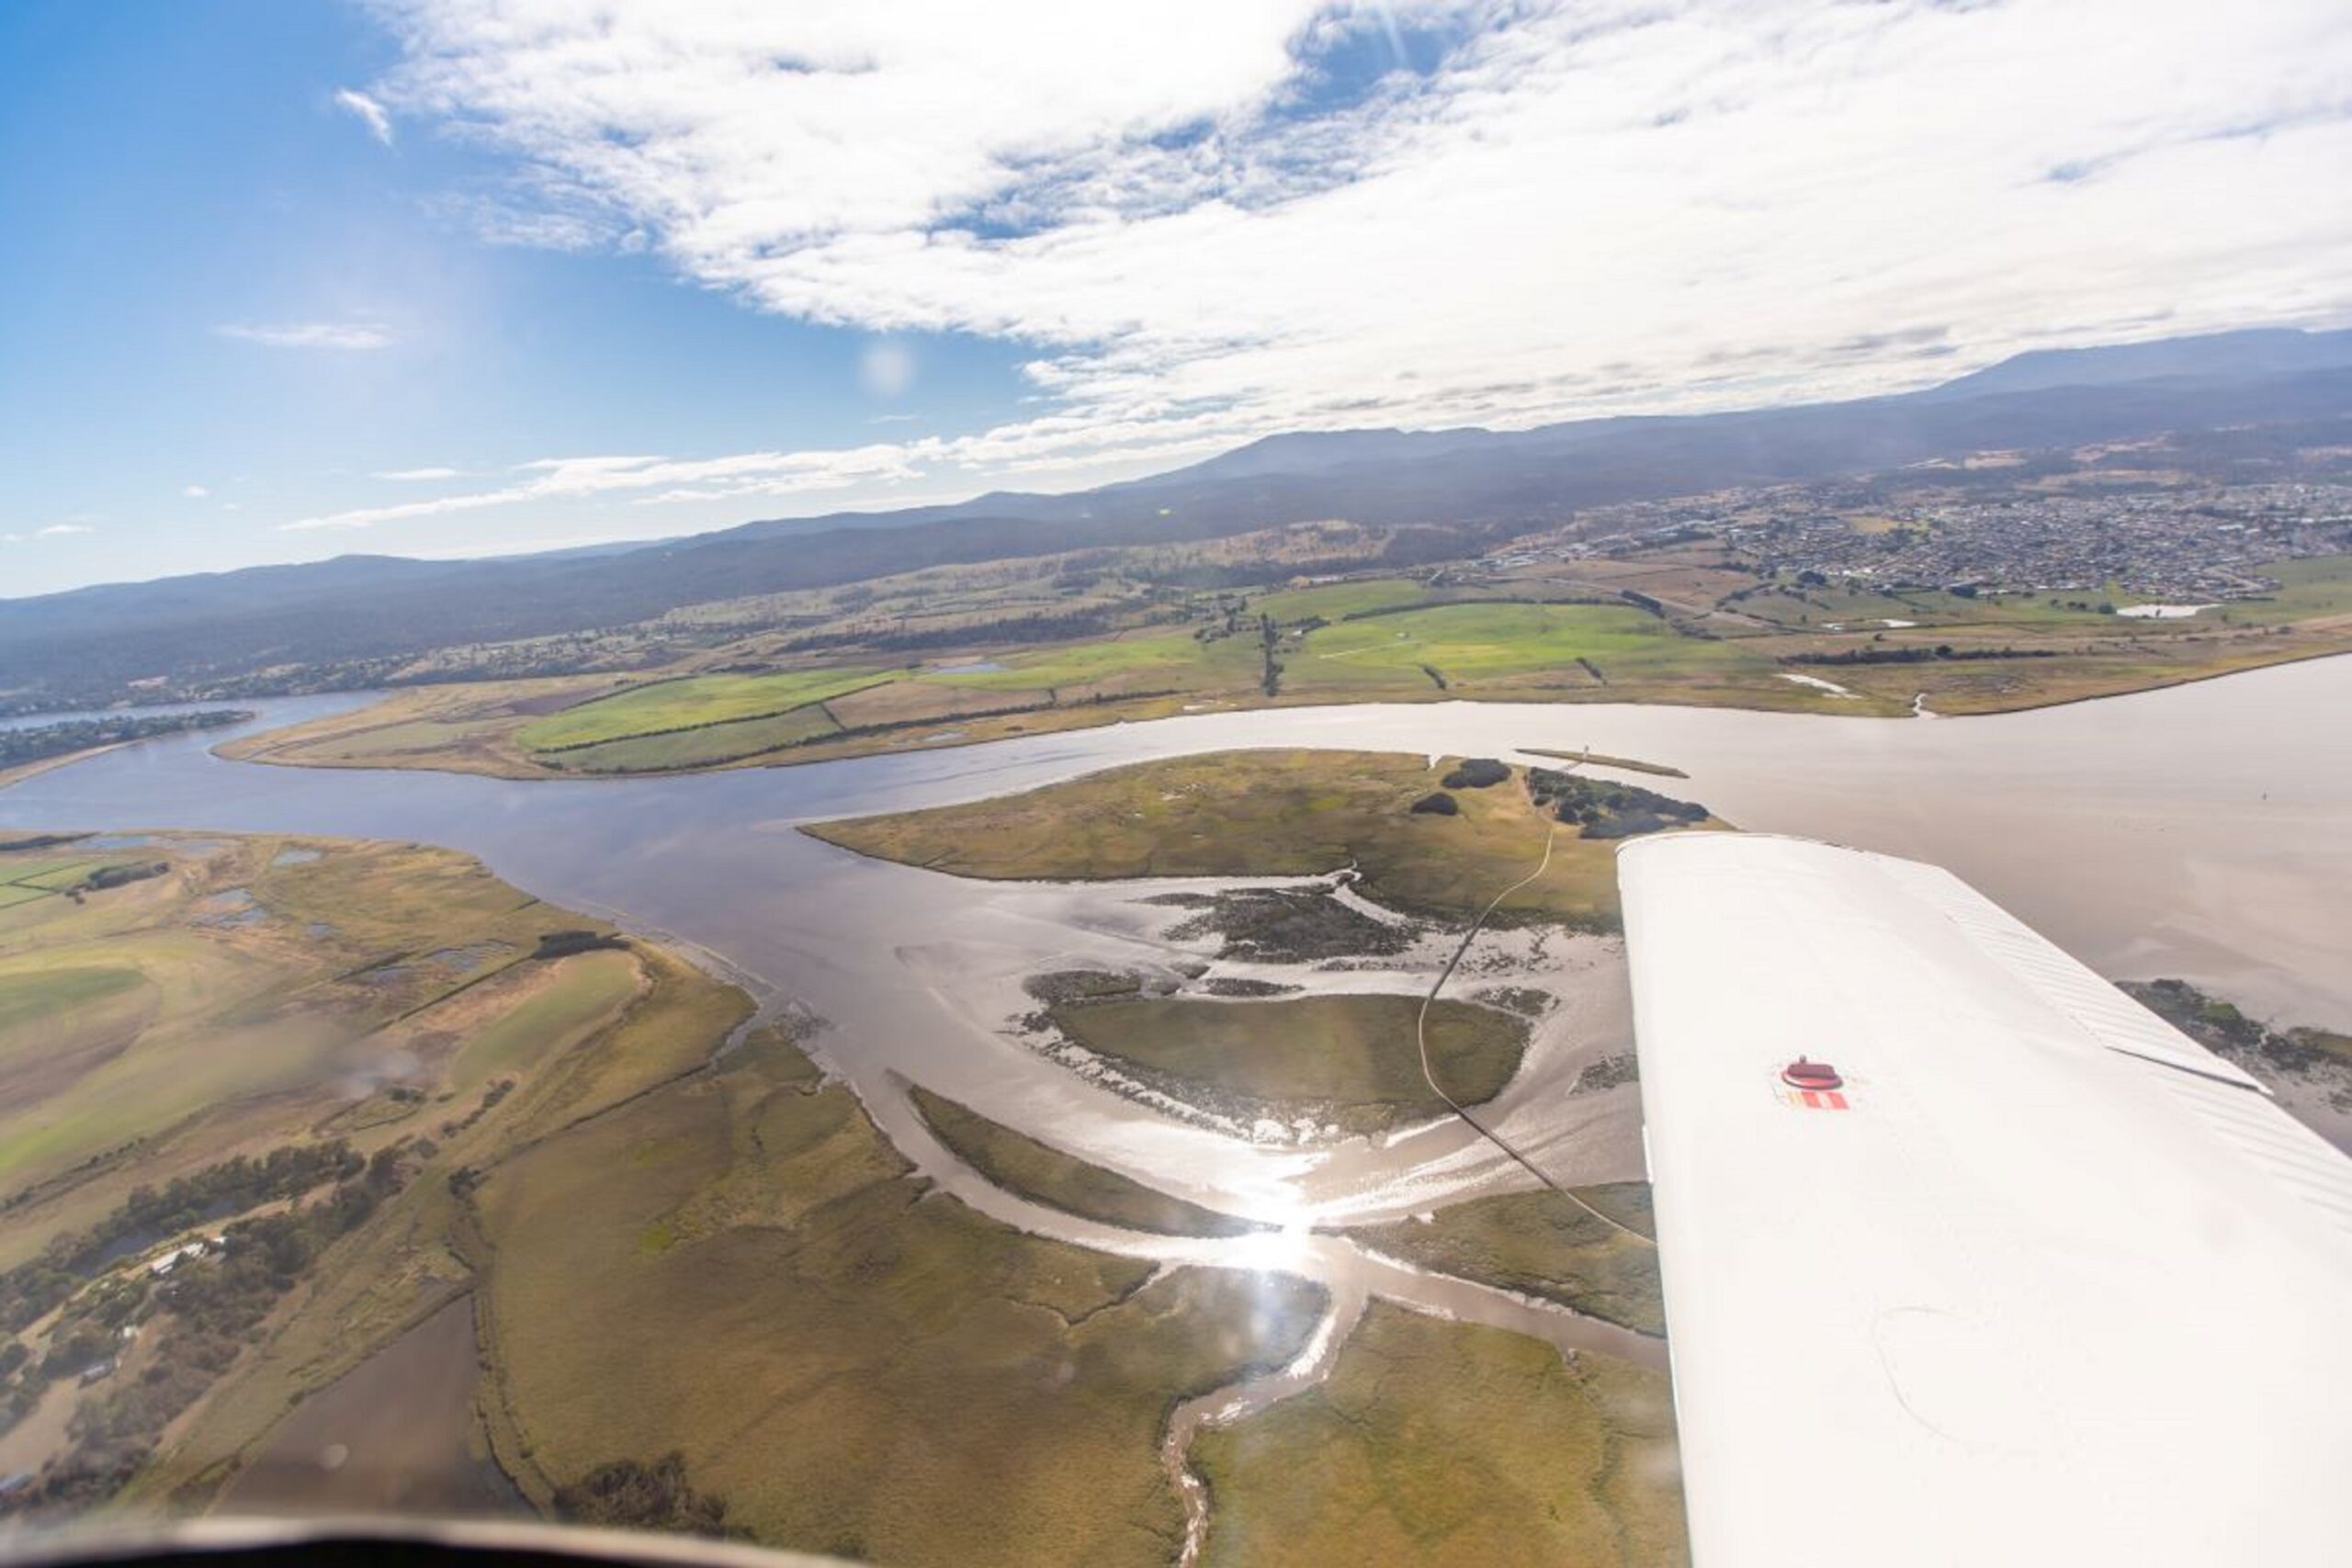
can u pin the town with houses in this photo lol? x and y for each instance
(2178, 544)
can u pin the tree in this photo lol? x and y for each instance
(627, 1494)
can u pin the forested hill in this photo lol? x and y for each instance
(85, 646)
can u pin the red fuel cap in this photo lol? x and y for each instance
(1804, 1074)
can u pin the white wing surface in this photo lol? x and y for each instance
(2040, 1280)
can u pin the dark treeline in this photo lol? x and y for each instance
(1643, 602)
(107, 876)
(35, 742)
(205, 1313)
(1377, 610)
(1039, 628)
(1605, 809)
(627, 1494)
(564, 943)
(1942, 650)
(1477, 772)
(150, 1213)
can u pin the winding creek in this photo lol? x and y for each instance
(2203, 831)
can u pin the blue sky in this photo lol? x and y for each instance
(171, 170)
(283, 281)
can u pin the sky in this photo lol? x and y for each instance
(281, 280)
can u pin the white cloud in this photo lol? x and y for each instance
(369, 112)
(194, 492)
(309, 334)
(59, 530)
(412, 476)
(584, 479)
(1606, 207)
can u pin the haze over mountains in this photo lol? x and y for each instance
(86, 644)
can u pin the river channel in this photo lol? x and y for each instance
(2204, 832)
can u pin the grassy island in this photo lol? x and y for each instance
(1270, 812)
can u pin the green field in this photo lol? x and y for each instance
(1541, 1244)
(2321, 585)
(703, 747)
(36, 870)
(1026, 1167)
(31, 996)
(683, 704)
(40, 876)
(1265, 813)
(1468, 643)
(1166, 660)
(1337, 601)
(590, 992)
(1506, 637)
(1440, 1443)
(1357, 1054)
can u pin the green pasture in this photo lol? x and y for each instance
(1164, 660)
(698, 747)
(1470, 642)
(1337, 601)
(588, 989)
(698, 699)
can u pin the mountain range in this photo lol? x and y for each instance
(81, 645)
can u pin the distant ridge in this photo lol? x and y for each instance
(2260, 351)
(86, 644)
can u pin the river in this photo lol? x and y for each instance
(2200, 830)
(2204, 831)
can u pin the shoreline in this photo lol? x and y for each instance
(1578, 697)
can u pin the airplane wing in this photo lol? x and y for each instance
(2010, 1272)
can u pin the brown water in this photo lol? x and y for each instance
(2204, 832)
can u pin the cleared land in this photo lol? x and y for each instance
(662, 706)
(1446, 1443)
(704, 746)
(1267, 813)
(1352, 1058)
(1468, 644)
(1540, 1244)
(1012, 648)
(1023, 1165)
(1169, 662)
